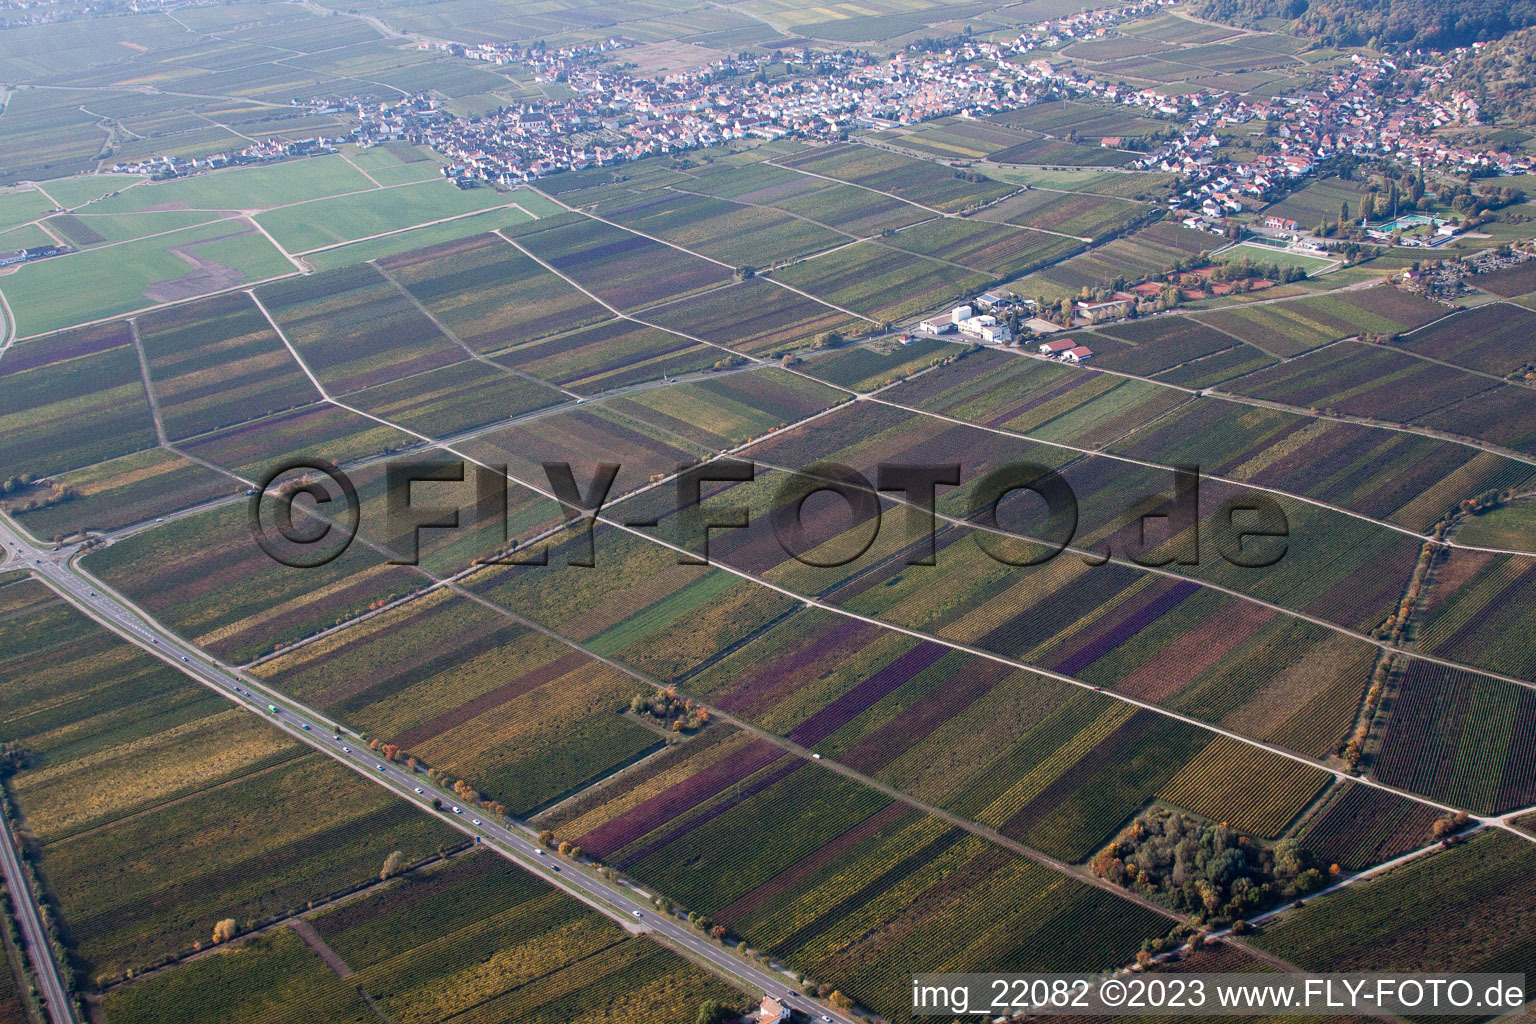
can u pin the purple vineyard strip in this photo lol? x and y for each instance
(663, 807)
(672, 835)
(859, 699)
(1126, 628)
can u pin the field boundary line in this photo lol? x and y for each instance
(893, 627)
(453, 336)
(619, 313)
(710, 259)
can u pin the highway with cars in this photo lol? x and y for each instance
(49, 982)
(515, 841)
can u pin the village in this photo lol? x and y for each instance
(614, 116)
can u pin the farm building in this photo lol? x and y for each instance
(1051, 348)
(1076, 355)
(771, 1011)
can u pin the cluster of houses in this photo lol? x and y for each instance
(1372, 107)
(256, 153)
(614, 116)
(16, 13)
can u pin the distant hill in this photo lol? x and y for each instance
(1383, 24)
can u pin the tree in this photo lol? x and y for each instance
(546, 838)
(225, 930)
(393, 865)
(712, 1011)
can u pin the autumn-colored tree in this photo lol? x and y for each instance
(564, 848)
(411, 763)
(393, 865)
(718, 931)
(547, 838)
(224, 930)
(391, 751)
(841, 1001)
(373, 744)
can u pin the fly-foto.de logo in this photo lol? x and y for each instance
(306, 514)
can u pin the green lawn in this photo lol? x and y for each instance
(1280, 257)
(83, 188)
(244, 188)
(21, 207)
(24, 237)
(95, 229)
(419, 238)
(109, 280)
(347, 218)
(1511, 526)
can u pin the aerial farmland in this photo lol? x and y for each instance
(697, 512)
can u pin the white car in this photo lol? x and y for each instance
(539, 852)
(638, 916)
(457, 811)
(418, 791)
(346, 750)
(379, 767)
(475, 820)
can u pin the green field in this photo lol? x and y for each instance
(353, 253)
(325, 222)
(1269, 254)
(243, 188)
(110, 280)
(1509, 526)
(18, 207)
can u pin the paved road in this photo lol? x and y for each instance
(55, 999)
(516, 842)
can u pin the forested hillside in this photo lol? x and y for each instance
(1388, 24)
